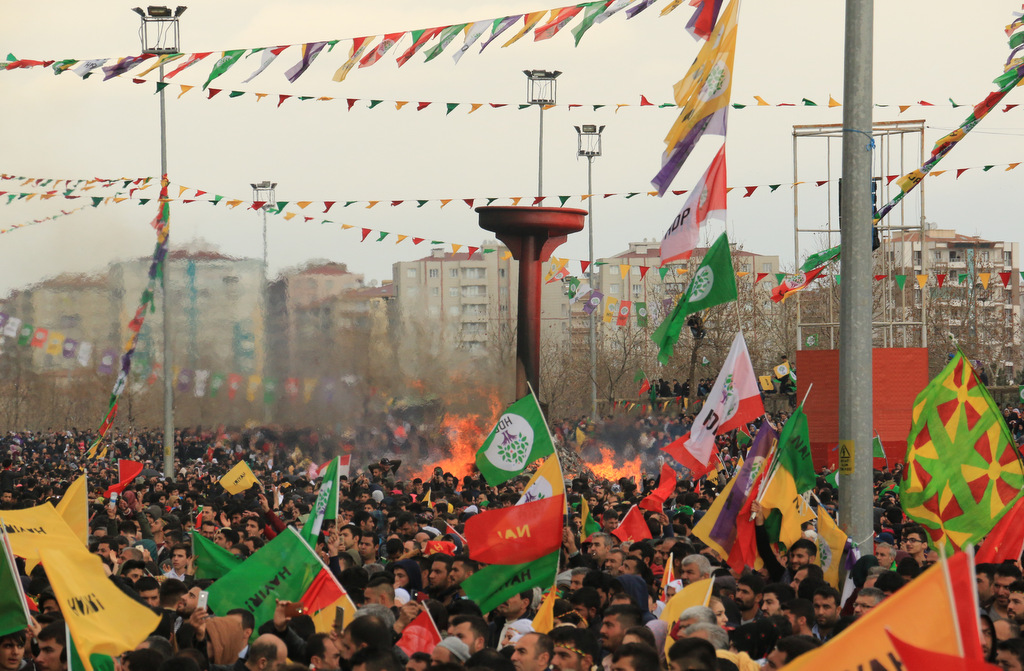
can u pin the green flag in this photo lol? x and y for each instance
(14, 614)
(591, 11)
(223, 64)
(74, 660)
(212, 561)
(518, 439)
(877, 451)
(1020, 392)
(833, 479)
(282, 569)
(590, 525)
(821, 258)
(493, 585)
(326, 507)
(639, 375)
(641, 314)
(713, 283)
(795, 451)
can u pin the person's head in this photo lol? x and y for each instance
(1005, 575)
(149, 591)
(985, 575)
(692, 654)
(449, 651)
(826, 607)
(800, 613)
(380, 590)
(179, 557)
(694, 567)
(12, 650)
(613, 562)
(587, 603)
(245, 620)
(789, 648)
(575, 649)
(365, 632)
(804, 573)
(885, 554)
(322, 653)
(52, 656)
(712, 633)
(600, 545)
(867, 599)
(267, 653)
(1015, 604)
(471, 630)
(133, 570)
(576, 578)
(517, 605)
(172, 594)
(774, 595)
(749, 588)
(635, 657)
(208, 529)
(617, 619)
(440, 568)
(533, 652)
(252, 528)
(418, 661)
(1010, 654)
(367, 547)
(462, 568)
(142, 659)
(915, 541)
(801, 553)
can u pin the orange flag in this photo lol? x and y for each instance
(923, 614)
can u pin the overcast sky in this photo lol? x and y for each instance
(64, 127)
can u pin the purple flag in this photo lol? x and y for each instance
(70, 348)
(673, 161)
(123, 65)
(593, 302)
(666, 305)
(328, 391)
(499, 28)
(3, 320)
(184, 379)
(309, 52)
(106, 366)
(638, 7)
(724, 530)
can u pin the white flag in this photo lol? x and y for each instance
(472, 35)
(704, 203)
(84, 353)
(733, 401)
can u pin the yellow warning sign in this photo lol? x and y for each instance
(846, 457)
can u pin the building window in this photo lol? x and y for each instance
(917, 258)
(435, 291)
(985, 256)
(637, 288)
(453, 292)
(613, 289)
(938, 255)
(1007, 259)
(501, 273)
(411, 273)
(454, 272)
(766, 267)
(954, 257)
(433, 273)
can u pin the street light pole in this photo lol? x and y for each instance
(588, 145)
(159, 35)
(263, 192)
(540, 91)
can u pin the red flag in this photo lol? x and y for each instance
(633, 527)
(656, 499)
(449, 529)
(322, 592)
(645, 387)
(518, 534)
(922, 659)
(440, 547)
(420, 635)
(1006, 540)
(677, 450)
(127, 470)
(794, 283)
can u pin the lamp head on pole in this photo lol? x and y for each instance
(588, 140)
(160, 28)
(540, 87)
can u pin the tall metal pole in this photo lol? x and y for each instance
(855, 390)
(540, 153)
(593, 320)
(168, 372)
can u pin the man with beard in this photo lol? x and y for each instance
(774, 595)
(749, 589)
(826, 612)
(575, 649)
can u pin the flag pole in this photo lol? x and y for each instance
(565, 499)
(952, 597)
(806, 394)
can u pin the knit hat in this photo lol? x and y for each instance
(459, 650)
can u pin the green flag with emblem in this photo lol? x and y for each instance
(713, 283)
(963, 468)
(519, 438)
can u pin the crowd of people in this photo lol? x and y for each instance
(610, 593)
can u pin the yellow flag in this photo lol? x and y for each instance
(74, 508)
(34, 529)
(544, 620)
(580, 437)
(323, 620)
(831, 542)
(610, 309)
(545, 483)
(101, 618)
(426, 499)
(781, 495)
(529, 21)
(238, 479)
(695, 594)
(668, 576)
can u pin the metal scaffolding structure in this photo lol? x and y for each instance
(900, 319)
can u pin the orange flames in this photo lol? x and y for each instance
(608, 470)
(465, 434)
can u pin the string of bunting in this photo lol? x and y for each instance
(143, 183)
(1011, 77)
(470, 107)
(33, 222)
(369, 49)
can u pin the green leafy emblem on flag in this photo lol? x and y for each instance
(963, 468)
(518, 439)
